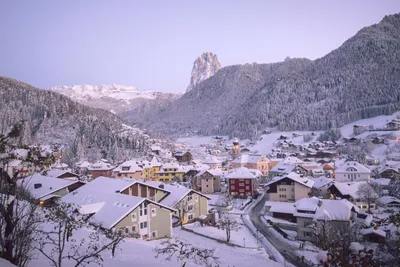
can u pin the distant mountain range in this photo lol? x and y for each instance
(51, 118)
(115, 98)
(358, 80)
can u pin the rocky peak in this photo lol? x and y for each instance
(204, 67)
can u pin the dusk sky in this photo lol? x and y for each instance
(152, 44)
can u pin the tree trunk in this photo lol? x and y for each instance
(8, 235)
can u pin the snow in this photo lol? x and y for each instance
(278, 221)
(321, 182)
(177, 192)
(4, 263)
(248, 159)
(292, 234)
(309, 256)
(356, 247)
(353, 164)
(283, 207)
(372, 230)
(57, 172)
(240, 173)
(294, 177)
(48, 184)
(388, 199)
(348, 189)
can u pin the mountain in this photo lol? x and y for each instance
(204, 67)
(51, 118)
(115, 98)
(358, 80)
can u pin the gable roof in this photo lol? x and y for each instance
(321, 182)
(294, 177)
(283, 167)
(102, 198)
(133, 166)
(348, 189)
(57, 173)
(176, 192)
(293, 160)
(388, 199)
(100, 165)
(240, 173)
(324, 209)
(48, 186)
(354, 164)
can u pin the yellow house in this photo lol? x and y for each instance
(169, 172)
(128, 169)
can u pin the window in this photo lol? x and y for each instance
(190, 217)
(241, 184)
(232, 187)
(190, 207)
(143, 225)
(241, 190)
(153, 212)
(126, 230)
(247, 187)
(153, 234)
(307, 223)
(206, 179)
(207, 185)
(189, 198)
(307, 234)
(247, 181)
(140, 212)
(133, 217)
(133, 229)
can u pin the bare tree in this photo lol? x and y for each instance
(367, 194)
(229, 224)
(19, 213)
(60, 244)
(184, 251)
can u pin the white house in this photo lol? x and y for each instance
(352, 171)
(389, 202)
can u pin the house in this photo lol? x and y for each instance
(281, 169)
(110, 209)
(100, 168)
(64, 174)
(315, 211)
(394, 125)
(352, 171)
(23, 168)
(184, 157)
(390, 173)
(242, 182)
(395, 156)
(188, 203)
(60, 166)
(156, 149)
(213, 163)
(128, 169)
(349, 191)
(210, 180)
(317, 172)
(169, 172)
(280, 210)
(290, 187)
(389, 202)
(374, 234)
(47, 190)
(320, 187)
(82, 167)
(257, 162)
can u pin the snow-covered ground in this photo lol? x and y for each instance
(242, 237)
(136, 252)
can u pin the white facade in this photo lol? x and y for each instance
(352, 171)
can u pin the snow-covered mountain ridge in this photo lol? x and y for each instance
(114, 98)
(205, 66)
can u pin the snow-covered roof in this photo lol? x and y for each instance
(321, 182)
(155, 162)
(15, 163)
(214, 172)
(155, 148)
(344, 168)
(372, 230)
(293, 160)
(388, 199)
(57, 172)
(324, 209)
(170, 166)
(283, 167)
(249, 159)
(48, 185)
(100, 165)
(59, 165)
(381, 181)
(348, 189)
(283, 207)
(212, 160)
(294, 177)
(240, 173)
(101, 196)
(317, 171)
(129, 166)
(356, 247)
(83, 164)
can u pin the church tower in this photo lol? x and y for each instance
(235, 148)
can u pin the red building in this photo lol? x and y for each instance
(242, 182)
(100, 168)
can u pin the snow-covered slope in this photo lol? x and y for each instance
(115, 98)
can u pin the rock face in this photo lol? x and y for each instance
(204, 67)
(360, 79)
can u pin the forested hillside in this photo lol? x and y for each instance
(51, 118)
(360, 79)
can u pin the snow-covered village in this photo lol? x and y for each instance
(282, 164)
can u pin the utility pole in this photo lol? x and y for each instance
(244, 242)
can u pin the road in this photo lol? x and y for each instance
(287, 252)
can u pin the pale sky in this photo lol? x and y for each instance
(152, 44)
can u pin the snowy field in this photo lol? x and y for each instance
(135, 252)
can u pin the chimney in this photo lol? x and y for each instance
(36, 186)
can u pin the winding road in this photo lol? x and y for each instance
(287, 252)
